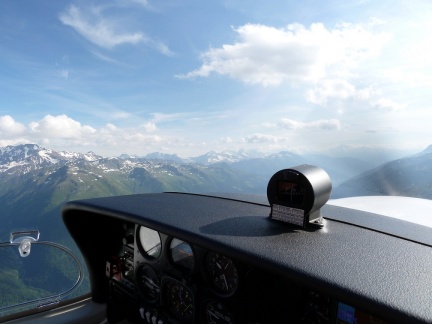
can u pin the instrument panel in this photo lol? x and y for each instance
(263, 271)
(163, 279)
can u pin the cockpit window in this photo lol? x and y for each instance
(140, 96)
(37, 274)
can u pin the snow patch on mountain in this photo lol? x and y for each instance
(226, 156)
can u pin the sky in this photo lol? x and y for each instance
(187, 77)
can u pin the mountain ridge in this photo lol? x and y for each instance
(409, 176)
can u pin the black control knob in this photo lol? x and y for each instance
(128, 239)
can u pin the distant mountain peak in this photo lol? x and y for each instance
(226, 156)
(125, 156)
(23, 158)
(428, 150)
(164, 156)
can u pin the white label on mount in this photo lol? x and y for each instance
(287, 214)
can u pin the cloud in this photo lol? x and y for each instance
(98, 30)
(387, 105)
(326, 124)
(270, 56)
(261, 138)
(410, 75)
(105, 58)
(60, 126)
(336, 89)
(143, 3)
(121, 115)
(150, 127)
(64, 74)
(162, 48)
(107, 33)
(227, 140)
(9, 127)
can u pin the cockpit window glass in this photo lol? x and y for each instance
(44, 274)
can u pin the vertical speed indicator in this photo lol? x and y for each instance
(222, 273)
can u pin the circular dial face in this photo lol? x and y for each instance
(148, 282)
(179, 300)
(149, 243)
(291, 193)
(222, 273)
(214, 312)
(182, 254)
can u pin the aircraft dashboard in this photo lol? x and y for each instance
(189, 284)
(184, 258)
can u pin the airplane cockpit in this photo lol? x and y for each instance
(286, 258)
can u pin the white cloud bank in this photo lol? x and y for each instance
(270, 56)
(62, 131)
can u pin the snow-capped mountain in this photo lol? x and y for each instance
(165, 156)
(155, 172)
(36, 181)
(21, 159)
(226, 156)
(74, 156)
(192, 173)
(27, 157)
(125, 156)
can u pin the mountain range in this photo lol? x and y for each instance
(36, 181)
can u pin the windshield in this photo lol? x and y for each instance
(135, 96)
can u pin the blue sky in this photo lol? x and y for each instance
(187, 77)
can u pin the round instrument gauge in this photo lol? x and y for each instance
(149, 242)
(148, 282)
(179, 300)
(214, 312)
(182, 254)
(222, 273)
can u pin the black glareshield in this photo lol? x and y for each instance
(296, 195)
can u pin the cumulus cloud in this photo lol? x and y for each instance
(150, 127)
(270, 56)
(411, 76)
(387, 105)
(9, 127)
(325, 124)
(261, 138)
(336, 89)
(60, 126)
(98, 30)
(63, 132)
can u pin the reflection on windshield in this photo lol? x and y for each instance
(49, 274)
